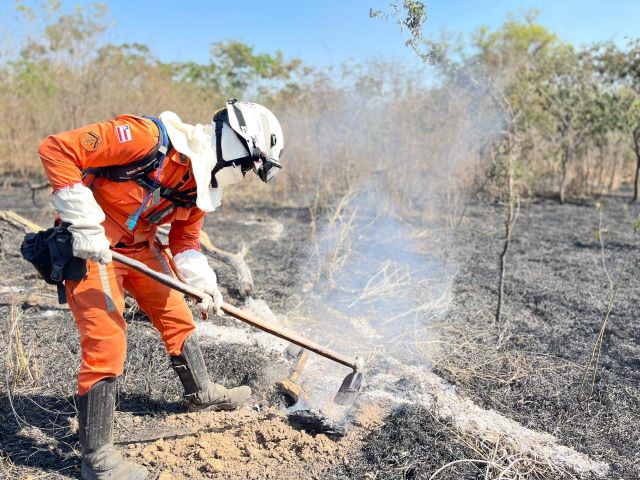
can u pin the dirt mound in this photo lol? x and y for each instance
(245, 444)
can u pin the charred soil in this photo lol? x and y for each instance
(528, 368)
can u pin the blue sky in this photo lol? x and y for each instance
(331, 31)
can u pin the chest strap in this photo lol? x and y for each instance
(181, 198)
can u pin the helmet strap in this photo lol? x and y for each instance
(242, 162)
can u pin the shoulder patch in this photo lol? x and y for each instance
(124, 133)
(90, 141)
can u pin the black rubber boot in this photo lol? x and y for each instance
(100, 458)
(200, 392)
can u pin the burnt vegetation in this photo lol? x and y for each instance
(512, 119)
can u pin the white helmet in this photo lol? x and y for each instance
(259, 133)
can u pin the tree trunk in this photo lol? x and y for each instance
(508, 230)
(563, 175)
(636, 148)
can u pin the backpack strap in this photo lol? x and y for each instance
(185, 198)
(123, 173)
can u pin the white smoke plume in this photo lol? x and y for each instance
(393, 160)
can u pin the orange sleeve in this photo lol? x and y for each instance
(117, 142)
(185, 234)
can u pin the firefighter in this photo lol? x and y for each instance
(114, 183)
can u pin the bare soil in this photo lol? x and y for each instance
(527, 369)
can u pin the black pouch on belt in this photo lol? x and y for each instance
(51, 253)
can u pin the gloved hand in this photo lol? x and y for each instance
(194, 269)
(76, 206)
(213, 306)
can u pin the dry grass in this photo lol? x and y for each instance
(8, 470)
(21, 367)
(415, 443)
(468, 355)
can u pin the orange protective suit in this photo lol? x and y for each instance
(97, 301)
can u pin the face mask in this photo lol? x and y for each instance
(267, 170)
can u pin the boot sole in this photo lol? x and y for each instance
(88, 473)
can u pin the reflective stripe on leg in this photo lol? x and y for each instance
(97, 302)
(104, 279)
(166, 308)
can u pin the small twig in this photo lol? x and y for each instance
(596, 351)
(600, 235)
(173, 434)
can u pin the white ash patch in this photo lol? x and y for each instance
(243, 333)
(403, 384)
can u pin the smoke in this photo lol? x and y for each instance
(375, 291)
(376, 288)
(393, 160)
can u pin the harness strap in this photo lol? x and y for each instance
(161, 155)
(244, 163)
(183, 198)
(219, 165)
(123, 173)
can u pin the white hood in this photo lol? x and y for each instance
(195, 141)
(198, 143)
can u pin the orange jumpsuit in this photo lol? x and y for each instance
(97, 301)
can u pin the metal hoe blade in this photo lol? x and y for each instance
(349, 388)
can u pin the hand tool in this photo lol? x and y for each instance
(350, 385)
(288, 385)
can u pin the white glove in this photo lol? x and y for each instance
(194, 269)
(77, 206)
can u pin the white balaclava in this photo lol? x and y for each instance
(198, 143)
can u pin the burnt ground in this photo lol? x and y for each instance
(528, 368)
(557, 298)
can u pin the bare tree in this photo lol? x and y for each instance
(411, 16)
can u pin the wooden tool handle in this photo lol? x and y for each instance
(236, 312)
(289, 336)
(302, 359)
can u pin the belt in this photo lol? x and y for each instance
(134, 246)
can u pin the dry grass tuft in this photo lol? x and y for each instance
(7, 468)
(22, 368)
